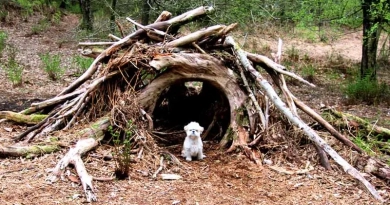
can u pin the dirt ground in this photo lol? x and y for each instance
(219, 179)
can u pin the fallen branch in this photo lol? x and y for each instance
(375, 129)
(28, 151)
(90, 139)
(270, 92)
(21, 118)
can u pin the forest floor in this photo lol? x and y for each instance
(219, 179)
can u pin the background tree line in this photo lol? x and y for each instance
(253, 16)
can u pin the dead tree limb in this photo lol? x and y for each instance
(90, 139)
(263, 83)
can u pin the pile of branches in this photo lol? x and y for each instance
(124, 80)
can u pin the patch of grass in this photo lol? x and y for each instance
(3, 42)
(81, 64)
(292, 54)
(122, 149)
(52, 65)
(308, 72)
(42, 26)
(13, 69)
(367, 90)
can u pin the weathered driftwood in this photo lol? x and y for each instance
(270, 92)
(90, 138)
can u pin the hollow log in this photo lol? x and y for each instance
(193, 67)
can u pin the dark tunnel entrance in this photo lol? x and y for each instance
(187, 101)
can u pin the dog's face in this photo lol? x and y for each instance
(193, 130)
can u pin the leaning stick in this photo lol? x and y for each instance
(178, 20)
(270, 92)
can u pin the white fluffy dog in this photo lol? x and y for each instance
(193, 146)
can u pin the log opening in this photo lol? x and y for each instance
(186, 101)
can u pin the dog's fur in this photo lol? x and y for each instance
(193, 145)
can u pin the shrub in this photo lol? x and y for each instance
(367, 90)
(52, 65)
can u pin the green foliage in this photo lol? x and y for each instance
(42, 26)
(81, 64)
(308, 72)
(367, 90)
(13, 69)
(3, 41)
(52, 65)
(122, 148)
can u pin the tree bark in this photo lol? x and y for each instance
(86, 10)
(112, 17)
(371, 32)
(145, 12)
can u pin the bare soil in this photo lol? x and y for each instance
(219, 179)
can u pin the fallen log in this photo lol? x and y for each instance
(22, 118)
(366, 125)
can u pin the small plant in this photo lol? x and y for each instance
(308, 72)
(3, 42)
(81, 64)
(52, 65)
(122, 149)
(367, 90)
(292, 54)
(42, 26)
(13, 69)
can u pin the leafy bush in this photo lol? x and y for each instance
(3, 41)
(81, 64)
(367, 90)
(13, 69)
(52, 65)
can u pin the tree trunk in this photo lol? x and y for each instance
(86, 10)
(145, 12)
(112, 18)
(371, 34)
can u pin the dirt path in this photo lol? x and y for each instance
(219, 179)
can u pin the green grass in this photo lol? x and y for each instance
(3, 41)
(81, 64)
(368, 91)
(52, 66)
(13, 69)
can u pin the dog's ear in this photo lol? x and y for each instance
(186, 128)
(201, 129)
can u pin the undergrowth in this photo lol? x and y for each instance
(122, 149)
(13, 69)
(81, 64)
(367, 90)
(3, 42)
(52, 65)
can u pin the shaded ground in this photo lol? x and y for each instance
(219, 179)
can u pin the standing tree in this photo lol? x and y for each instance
(374, 15)
(86, 10)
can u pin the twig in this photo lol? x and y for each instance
(96, 43)
(160, 168)
(114, 37)
(252, 97)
